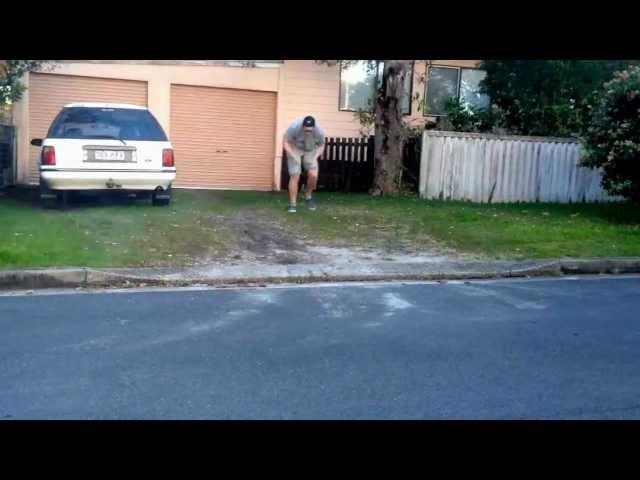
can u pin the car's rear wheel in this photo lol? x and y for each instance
(53, 198)
(161, 198)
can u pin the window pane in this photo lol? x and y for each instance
(442, 84)
(357, 85)
(469, 85)
(118, 123)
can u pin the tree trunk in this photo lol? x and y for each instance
(388, 129)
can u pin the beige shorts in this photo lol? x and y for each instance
(302, 159)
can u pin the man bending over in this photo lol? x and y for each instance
(304, 143)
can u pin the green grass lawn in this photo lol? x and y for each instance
(505, 231)
(102, 234)
(195, 226)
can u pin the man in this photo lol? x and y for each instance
(304, 143)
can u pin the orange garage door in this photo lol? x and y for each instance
(223, 138)
(48, 93)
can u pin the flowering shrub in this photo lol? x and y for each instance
(611, 134)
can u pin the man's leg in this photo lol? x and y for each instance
(311, 168)
(293, 188)
(312, 182)
(294, 165)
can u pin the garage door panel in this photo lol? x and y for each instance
(240, 122)
(48, 93)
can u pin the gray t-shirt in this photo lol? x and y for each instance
(302, 140)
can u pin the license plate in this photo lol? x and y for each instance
(109, 155)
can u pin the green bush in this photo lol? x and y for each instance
(464, 118)
(611, 136)
(545, 97)
(11, 71)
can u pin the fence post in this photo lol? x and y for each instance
(331, 175)
(340, 149)
(424, 167)
(349, 169)
(284, 172)
(359, 163)
(7, 155)
(371, 160)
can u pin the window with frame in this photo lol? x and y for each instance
(470, 95)
(445, 82)
(358, 83)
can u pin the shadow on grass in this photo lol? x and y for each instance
(620, 213)
(26, 196)
(617, 213)
(623, 213)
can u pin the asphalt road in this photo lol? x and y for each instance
(537, 349)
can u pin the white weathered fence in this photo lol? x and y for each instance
(490, 168)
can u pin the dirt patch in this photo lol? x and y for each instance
(260, 236)
(261, 239)
(347, 255)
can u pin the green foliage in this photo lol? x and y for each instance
(611, 136)
(545, 97)
(11, 71)
(465, 118)
(367, 120)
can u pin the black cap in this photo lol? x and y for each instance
(309, 121)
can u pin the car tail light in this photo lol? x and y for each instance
(167, 157)
(48, 156)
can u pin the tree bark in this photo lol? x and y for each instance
(388, 129)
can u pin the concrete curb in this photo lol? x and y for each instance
(64, 278)
(221, 276)
(35, 279)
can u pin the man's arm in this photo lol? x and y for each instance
(287, 146)
(289, 135)
(320, 148)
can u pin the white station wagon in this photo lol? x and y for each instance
(102, 146)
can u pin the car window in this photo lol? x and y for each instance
(120, 123)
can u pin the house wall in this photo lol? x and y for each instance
(159, 79)
(308, 88)
(303, 87)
